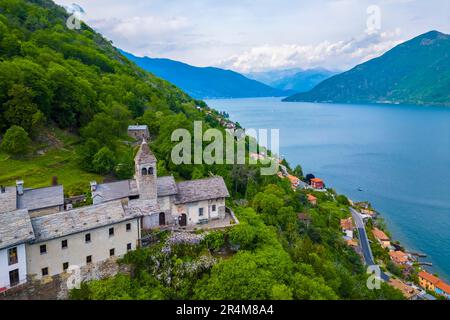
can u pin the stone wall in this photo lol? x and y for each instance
(55, 288)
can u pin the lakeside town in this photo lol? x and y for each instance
(401, 269)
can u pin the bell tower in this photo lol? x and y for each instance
(145, 172)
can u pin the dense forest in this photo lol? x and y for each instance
(76, 81)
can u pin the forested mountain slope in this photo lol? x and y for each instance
(74, 81)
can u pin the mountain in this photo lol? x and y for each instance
(414, 72)
(293, 79)
(206, 82)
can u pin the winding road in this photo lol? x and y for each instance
(364, 240)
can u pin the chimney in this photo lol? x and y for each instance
(54, 181)
(19, 186)
(93, 186)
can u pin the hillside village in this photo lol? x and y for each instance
(41, 237)
(414, 282)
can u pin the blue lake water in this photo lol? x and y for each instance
(398, 155)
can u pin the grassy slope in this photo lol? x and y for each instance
(37, 170)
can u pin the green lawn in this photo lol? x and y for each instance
(37, 171)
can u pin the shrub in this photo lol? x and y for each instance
(15, 141)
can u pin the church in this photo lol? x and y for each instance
(182, 204)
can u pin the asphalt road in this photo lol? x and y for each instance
(364, 240)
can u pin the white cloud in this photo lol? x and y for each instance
(332, 55)
(138, 27)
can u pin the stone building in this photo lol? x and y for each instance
(139, 132)
(81, 237)
(38, 202)
(39, 240)
(187, 203)
(15, 232)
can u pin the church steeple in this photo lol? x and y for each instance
(145, 172)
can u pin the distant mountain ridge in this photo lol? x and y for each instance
(298, 80)
(208, 82)
(414, 72)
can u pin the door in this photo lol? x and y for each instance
(183, 220)
(14, 278)
(162, 219)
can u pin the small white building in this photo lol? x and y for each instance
(15, 231)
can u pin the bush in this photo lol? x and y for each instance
(343, 200)
(15, 141)
(104, 161)
(214, 240)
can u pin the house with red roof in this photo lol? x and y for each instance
(317, 183)
(312, 200)
(433, 283)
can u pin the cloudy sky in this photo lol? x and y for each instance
(260, 35)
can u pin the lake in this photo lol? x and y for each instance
(398, 155)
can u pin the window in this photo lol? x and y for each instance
(44, 272)
(64, 244)
(89, 259)
(43, 249)
(128, 226)
(150, 171)
(112, 252)
(129, 248)
(14, 278)
(200, 212)
(111, 232)
(87, 238)
(144, 171)
(12, 256)
(214, 207)
(65, 266)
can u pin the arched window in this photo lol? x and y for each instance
(144, 171)
(150, 171)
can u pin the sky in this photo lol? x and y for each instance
(262, 35)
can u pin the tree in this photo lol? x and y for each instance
(341, 199)
(281, 292)
(298, 171)
(104, 161)
(309, 177)
(307, 288)
(125, 167)
(21, 110)
(15, 141)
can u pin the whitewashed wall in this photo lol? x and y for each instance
(5, 269)
(78, 249)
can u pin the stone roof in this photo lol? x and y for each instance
(145, 155)
(65, 223)
(198, 190)
(141, 208)
(166, 186)
(15, 228)
(116, 190)
(8, 200)
(34, 199)
(137, 127)
(128, 188)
